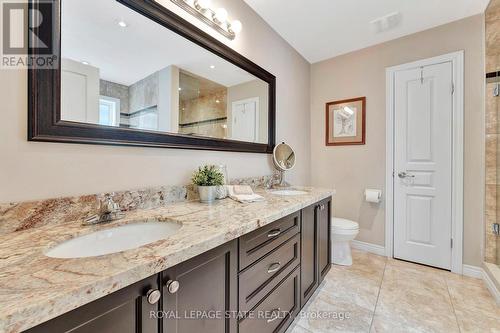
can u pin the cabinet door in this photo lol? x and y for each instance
(324, 237)
(207, 291)
(124, 311)
(308, 260)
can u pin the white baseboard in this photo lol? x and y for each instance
(492, 287)
(473, 271)
(368, 247)
(480, 273)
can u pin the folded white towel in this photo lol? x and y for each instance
(244, 198)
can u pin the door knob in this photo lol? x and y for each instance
(153, 296)
(405, 175)
(173, 286)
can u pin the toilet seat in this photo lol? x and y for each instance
(339, 224)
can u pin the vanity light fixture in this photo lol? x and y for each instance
(215, 18)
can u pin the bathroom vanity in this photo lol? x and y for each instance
(248, 276)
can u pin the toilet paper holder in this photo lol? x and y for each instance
(373, 195)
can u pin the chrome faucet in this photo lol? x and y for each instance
(108, 211)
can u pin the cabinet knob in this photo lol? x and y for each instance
(153, 296)
(172, 286)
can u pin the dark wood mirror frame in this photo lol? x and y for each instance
(44, 107)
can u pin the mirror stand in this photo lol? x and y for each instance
(282, 183)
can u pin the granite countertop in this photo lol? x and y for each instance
(35, 288)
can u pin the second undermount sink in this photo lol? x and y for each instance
(289, 192)
(113, 240)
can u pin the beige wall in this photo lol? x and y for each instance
(33, 170)
(352, 169)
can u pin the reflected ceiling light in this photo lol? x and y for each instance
(202, 4)
(212, 66)
(122, 24)
(220, 15)
(85, 62)
(180, 88)
(217, 19)
(236, 26)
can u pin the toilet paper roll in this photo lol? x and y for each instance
(373, 195)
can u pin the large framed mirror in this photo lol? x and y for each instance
(131, 72)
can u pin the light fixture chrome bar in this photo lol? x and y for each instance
(198, 13)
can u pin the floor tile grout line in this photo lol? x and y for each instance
(378, 295)
(451, 302)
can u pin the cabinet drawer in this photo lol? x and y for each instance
(278, 310)
(259, 279)
(260, 242)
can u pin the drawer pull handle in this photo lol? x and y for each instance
(274, 233)
(276, 315)
(274, 267)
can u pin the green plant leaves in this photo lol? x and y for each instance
(208, 175)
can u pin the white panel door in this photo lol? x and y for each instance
(245, 120)
(79, 92)
(423, 164)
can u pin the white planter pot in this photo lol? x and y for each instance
(207, 194)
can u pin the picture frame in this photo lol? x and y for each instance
(346, 122)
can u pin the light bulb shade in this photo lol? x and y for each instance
(204, 4)
(236, 26)
(221, 15)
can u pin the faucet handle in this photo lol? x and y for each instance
(107, 205)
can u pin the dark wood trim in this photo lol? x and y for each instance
(44, 114)
(327, 118)
(492, 75)
(201, 122)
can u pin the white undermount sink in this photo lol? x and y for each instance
(289, 192)
(113, 240)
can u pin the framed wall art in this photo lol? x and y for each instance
(346, 122)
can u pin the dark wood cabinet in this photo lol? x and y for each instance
(200, 292)
(124, 311)
(308, 258)
(323, 225)
(316, 247)
(273, 270)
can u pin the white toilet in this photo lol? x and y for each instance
(343, 232)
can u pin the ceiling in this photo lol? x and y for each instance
(322, 29)
(90, 33)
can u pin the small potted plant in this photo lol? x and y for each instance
(208, 178)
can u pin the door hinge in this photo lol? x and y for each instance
(451, 242)
(452, 88)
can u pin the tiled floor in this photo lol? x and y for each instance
(377, 294)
